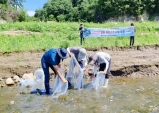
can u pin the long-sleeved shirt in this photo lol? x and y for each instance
(99, 58)
(76, 51)
(51, 57)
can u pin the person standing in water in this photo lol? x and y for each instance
(52, 59)
(104, 61)
(81, 57)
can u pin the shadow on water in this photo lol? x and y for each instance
(123, 95)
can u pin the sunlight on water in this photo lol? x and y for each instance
(123, 95)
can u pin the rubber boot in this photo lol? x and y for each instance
(106, 83)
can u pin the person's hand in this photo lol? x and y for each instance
(104, 72)
(84, 69)
(70, 54)
(59, 65)
(64, 81)
(93, 76)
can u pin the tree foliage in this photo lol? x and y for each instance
(85, 10)
(16, 3)
(12, 10)
(96, 10)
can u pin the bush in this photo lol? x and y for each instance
(22, 16)
(61, 18)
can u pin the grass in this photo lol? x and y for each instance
(53, 35)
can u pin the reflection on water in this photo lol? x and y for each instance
(123, 95)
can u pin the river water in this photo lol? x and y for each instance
(123, 95)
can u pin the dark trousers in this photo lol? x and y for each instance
(102, 68)
(45, 67)
(131, 40)
(81, 63)
(81, 38)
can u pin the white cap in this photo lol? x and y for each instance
(82, 54)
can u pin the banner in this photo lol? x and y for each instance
(108, 32)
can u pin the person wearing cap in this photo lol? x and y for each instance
(80, 55)
(52, 59)
(104, 61)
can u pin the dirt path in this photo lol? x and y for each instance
(136, 61)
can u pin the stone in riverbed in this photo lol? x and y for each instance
(9, 81)
(16, 78)
(28, 76)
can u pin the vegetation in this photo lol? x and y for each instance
(65, 15)
(42, 35)
(12, 10)
(97, 10)
(83, 10)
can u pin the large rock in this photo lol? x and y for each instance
(1, 79)
(9, 81)
(16, 78)
(28, 76)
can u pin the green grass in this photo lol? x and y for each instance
(53, 34)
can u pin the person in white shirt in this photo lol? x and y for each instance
(103, 60)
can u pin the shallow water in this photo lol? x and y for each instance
(123, 95)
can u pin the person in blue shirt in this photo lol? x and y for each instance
(52, 59)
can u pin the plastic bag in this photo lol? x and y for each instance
(75, 74)
(97, 82)
(59, 88)
(34, 83)
(39, 78)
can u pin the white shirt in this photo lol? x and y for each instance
(99, 58)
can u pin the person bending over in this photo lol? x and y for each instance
(80, 55)
(104, 61)
(52, 59)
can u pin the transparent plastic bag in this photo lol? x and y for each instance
(75, 74)
(97, 82)
(59, 88)
(39, 78)
(34, 83)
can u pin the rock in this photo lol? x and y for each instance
(16, 78)
(1, 79)
(2, 85)
(9, 81)
(12, 102)
(28, 76)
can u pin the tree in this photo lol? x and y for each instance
(22, 15)
(3, 1)
(16, 3)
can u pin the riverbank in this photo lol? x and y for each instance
(126, 61)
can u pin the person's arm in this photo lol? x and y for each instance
(59, 74)
(68, 50)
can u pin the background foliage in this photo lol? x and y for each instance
(82, 10)
(97, 10)
(21, 36)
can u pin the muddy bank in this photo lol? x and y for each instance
(126, 61)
